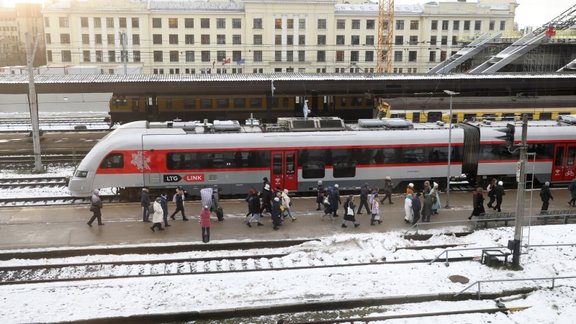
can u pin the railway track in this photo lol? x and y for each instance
(11, 160)
(11, 183)
(53, 200)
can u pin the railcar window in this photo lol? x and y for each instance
(356, 101)
(206, 103)
(508, 116)
(168, 103)
(285, 103)
(571, 155)
(257, 102)
(559, 161)
(434, 116)
(313, 163)
(545, 116)
(223, 103)
(273, 103)
(113, 161)
(530, 116)
(413, 155)
(542, 151)
(277, 164)
(239, 103)
(495, 152)
(344, 169)
(416, 117)
(217, 160)
(343, 101)
(470, 117)
(189, 104)
(135, 104)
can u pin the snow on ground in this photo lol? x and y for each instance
(104, 298)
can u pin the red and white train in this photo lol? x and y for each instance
(296, 153)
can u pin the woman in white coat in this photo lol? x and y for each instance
(408, 212)
(158, 215)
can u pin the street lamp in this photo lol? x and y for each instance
(451, 94)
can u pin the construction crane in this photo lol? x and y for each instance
(385, 36)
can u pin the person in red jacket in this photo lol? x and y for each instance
(205, 224)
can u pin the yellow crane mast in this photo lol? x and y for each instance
(385, 35)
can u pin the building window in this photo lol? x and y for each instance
(173, 56)
(433, 40)
(257, 39)
(413, 40)
(321, 23)
(456, 25)
(289, 39)
(354, 56)
(48, 38)
(49, 56)
(220, 23)
(477, 24)
(289, 56)
(236, 56)
(340, 24)
(397, 56)
(84, 22)
(370, 40)
(172, 22)
(412, 55)
(189, 56)
(432, 56)
(398, 40)
(301, 39)
(355, 39)
(189, 39)
(98, 38)
(205, 56)
(122, 22)
(86, 56)
(302, 23)
(340, 40)
(205, 39)
(85, 39)
(66, 56)
(339, 56)
(46, 22)
(111, 56)
(257, 23)
(109, 22)
(445, 24)
(414, 24)
(99, 56)
(135, 39)
(321, 56)
(355, 23)
(492, 25)
(135, 23)
(369, 56)
(64, 38)
(399, 24)
(157, 39)
(97, 22)
(502, 24)
(257, 56)
(454, 40)
(236, 39)
(290, 23)
(110, 38)
(321, 39)
(301, 56)
(278, 23)
(236, 23)
(63, 22)
(158, 56)
(434, 25)
(277, 39)
(188, 22)
(220, 56)
(220, 39)
(156, 22)
(136, 56)
(205, 23)
(444, 40)
(278, 56)
(370, 24)
(173, 39)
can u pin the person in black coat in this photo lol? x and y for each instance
(349, 208)
(387, 190)
(364, 191)
(145, 203)
(477, 203)
(499, 192)
(320, 195)
(276, 214)
(164, 204)
(95, 208)
(416, 207)
(545, 196)
(335, 201)
(267, 196)
(179, 200)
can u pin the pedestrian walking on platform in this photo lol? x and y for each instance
(349, 209)
(287, 204)
(477, 203)
(416, 208)
(545, 196)
(410, 189)
(387, 190)
(499, 192)
(253, 208)
(276, 214)
(179, 200)
(490, 189)
(164, 204)
(95, 208)
(435, 199)
(572, 188)
(364, 191)
(327, 203)
(145, 203)
(205, 223)
(375, 210)
(267, 196)
(157, 214)
(336, 201)
(429, 197)
(319, 195)
(408, 213)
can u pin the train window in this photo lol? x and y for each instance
(290, 163)
(542, 151)
(344, 169)
(530, 116)
(113, 161)
(356, 101)
(217, 160)
(545, 116)
(559, 161)
(494, 152)
(313, 163)
(277, 164)
(571, 156)
(470, 117)
(239, 102)
(285, 103)
(257, 102)
(135, 106)
(413, 155)
(273, 103)
(343, 101)
(434, 116)
(169, 104)
(223, 103)
(206, 103)
(508, 116)
(189, 103)
(416, 117)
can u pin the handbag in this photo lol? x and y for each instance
(349, 211)
(92, 208)
(326, 201)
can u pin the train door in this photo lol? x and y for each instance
(283, 170)
(563, 168)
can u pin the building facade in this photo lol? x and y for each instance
(260, 36)
(14, 24)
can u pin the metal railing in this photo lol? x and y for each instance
(479, 282)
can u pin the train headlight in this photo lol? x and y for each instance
(81, 174)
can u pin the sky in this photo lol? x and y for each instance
(529, 13)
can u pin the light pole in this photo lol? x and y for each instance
(451, 94)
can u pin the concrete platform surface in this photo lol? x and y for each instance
(58, 226)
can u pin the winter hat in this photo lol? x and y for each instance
(96, 192)
(500, 183)
(435, 185)
(388, 178)
(411, 185)
(547, 184)
(276, 199)
(336, 186)
(158, 199)
(319, 182)
(286, 191)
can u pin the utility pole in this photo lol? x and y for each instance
(516, 244)
(33, 102)
(124, 55)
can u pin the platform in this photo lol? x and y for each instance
(58, 226)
